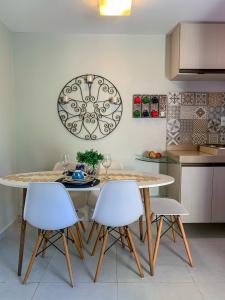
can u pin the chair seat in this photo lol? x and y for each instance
(167, 207)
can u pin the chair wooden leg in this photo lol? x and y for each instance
(91, 232)
(101, 230)
(134, 252)
(82, 226)
(128, 240)
(157, 240)
(47, 235)
(121, 236)
(141, 227)
(68, 260)
(38, 241)
(76, 243)
(173, 229)
(180, 224)
(101, 256)
(145, 236)
(79, 235)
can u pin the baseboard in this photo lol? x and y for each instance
(4, 229)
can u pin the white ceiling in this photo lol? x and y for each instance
(82, 16)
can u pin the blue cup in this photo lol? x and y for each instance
(78, 174)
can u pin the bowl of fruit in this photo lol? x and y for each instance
(152, 154)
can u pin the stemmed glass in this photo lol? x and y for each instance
(65, 162)
(106, 162)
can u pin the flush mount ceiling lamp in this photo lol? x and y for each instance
(115, 7)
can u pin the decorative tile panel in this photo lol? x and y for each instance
(213, 138)
(195, 118)
(222, 138)
(187, 98)
(201, 99)
(216, 99)
(173, 126)
(213, 126)
(200, 112)
(200, 126)
(186, 112)
(174, 98)
(173, 139)
(199, 138)
(186, 126)
(173, 112)
(186, 138)
(214, 112)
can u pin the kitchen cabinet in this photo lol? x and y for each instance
(201, 189)
(196, 193)
(196, 51)
(218, 200)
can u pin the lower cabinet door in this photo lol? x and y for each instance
(218, 202)
(196, 193)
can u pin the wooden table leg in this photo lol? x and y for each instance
(22, 236)
(149, 228)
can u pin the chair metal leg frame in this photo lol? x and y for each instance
(122, 235)
(119, 239)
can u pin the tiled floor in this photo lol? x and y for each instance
(173, 279)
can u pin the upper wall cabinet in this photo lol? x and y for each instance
(196, 51)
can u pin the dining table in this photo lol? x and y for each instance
(145, 181)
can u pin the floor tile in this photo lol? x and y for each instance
(17, 291)
(93, 291)
(158, 291)
(215, 291)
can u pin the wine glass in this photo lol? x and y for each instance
(65, 162)
(106, 162)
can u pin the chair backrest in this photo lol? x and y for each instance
(119, 204)
(48, 206)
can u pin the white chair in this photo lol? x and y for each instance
(93, 195)
(79, 200)
(49, 207)
(169, 211)
(119, 204)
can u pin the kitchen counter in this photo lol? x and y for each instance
(195, 157)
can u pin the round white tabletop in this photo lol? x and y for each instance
(144, 179)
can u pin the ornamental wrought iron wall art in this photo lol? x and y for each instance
(90, 107)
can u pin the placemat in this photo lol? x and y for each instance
(82, 186)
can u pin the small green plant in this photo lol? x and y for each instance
(90, 157)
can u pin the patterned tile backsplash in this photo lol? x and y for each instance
(195, 118)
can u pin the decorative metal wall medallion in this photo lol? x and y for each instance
(90, 107)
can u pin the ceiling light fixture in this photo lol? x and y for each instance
(115, 7)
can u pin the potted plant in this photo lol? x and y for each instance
(91, 158)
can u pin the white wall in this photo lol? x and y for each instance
(8, 203)
(45, 62)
